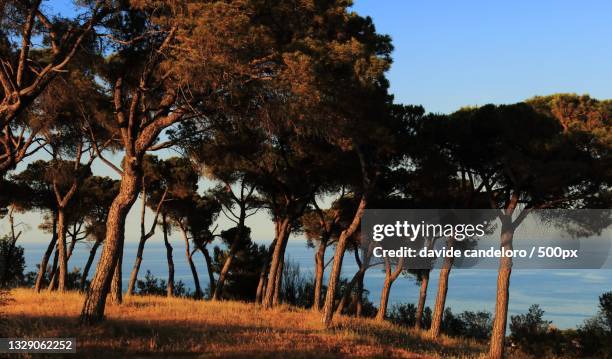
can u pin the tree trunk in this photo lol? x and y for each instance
(319, 272)
(90, 259)
(498, 334)
(53, 275)
(263, 277)
(117, 281)
(95, 301)
(61, 248)
(438, 313)
(422, 298)
(390, 277)
(278, 284)
(359, 297)
(42, 269)
(209, 268)
(226, 266)
(328, 309)
(170, 288)
(282, 236)
(194, 272)
(136, 268)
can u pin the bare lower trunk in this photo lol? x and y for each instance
(263, 275)
(422, 299)
(225, 270)
(209, 268)
(319, 271)
(278, 284)
(42, 269)
(61, 248)
(282, 236)
(359, 298)
(136, 268)
(390, 277)
(90, 259)
(95, 301)
(334, 277)
(348, 291)
(116, 295)
(498, 334)
(170, 287)
(194, 272)
(438, 313)
(53, 275)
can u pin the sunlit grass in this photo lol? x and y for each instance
(173, 326)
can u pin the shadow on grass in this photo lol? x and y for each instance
(150, 337)
(413, 340)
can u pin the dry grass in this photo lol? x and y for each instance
(171, 327)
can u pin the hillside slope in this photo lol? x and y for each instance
(182, 327)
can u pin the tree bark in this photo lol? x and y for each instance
(438, 313)
(53, 275)
(225, 270)
(194, 272)
(61, 248)
(143, 236)
(90, 259)
(328, 308)
(232, 252)
(95, 301)
(278, 284)
(170, 287)
(390, 277)
(422, 299)
(209, 268)
(498, 334)
(263, 277)
(136, 268)
(116, 295)
(42, 269)
(282, 236)
(319, 272)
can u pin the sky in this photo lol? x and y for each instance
(450, 54)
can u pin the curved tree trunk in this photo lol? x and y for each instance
(95, 301)
(194, 271)
(90, 259)
(319, 272)
(498, 334)
(438, 313)
(263, 274)
(61, 249)
(170, 287)
(42, 269)
(209, 268)
(136, 268)
(328, 309)
(53, 275)
(390, 277)
(117, 281)
(278, 284)
(422, 299)
(226, 267)
(282, 236)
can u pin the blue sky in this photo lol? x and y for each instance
(450, 54)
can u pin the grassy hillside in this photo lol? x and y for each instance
(173, 327)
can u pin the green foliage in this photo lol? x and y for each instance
(12, 263)
(243, 276)
(152, 285)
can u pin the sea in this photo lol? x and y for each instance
(568, 297)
